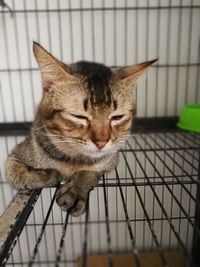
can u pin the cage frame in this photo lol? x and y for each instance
(10, 233)
(26, 199)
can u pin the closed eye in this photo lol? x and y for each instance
(81, 117)
(117, 118)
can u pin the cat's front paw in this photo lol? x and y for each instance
(69, 199)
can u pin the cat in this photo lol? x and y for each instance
(83, 119)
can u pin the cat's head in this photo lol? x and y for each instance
(86, 108)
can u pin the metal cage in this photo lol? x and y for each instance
(147, 211)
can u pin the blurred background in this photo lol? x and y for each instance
(116, 33)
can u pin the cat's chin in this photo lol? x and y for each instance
(98, 153)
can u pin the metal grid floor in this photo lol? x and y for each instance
(151, 201)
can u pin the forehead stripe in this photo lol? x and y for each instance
(97, 78)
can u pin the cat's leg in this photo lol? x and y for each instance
(73, 194)
(21, 176)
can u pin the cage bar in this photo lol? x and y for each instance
(150, 204)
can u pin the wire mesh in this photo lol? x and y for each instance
(147, 203)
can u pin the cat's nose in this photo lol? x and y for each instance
(100, 144)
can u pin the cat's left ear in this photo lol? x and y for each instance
(129, 75)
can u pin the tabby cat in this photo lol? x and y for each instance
(83, 119)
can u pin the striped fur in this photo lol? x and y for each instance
(82, 121)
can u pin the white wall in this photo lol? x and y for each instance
(121, 37)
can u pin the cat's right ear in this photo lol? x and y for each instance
(50, 67)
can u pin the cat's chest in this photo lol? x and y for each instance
(68, 168)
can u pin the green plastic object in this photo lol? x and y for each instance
(190, 118)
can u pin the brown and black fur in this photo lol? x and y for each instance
(83, 119)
